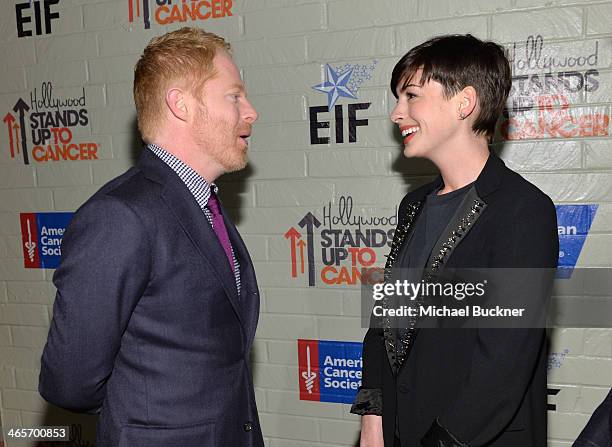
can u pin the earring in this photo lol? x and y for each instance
(462, 116)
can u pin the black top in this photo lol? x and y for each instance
(436, 213)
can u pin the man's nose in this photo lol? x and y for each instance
(250, 114)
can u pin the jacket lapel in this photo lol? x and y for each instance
(193, 221)
(249, 293)
(458, 227)
(402, 235)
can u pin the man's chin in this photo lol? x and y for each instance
(235, 165)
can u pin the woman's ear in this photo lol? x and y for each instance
(467, 102)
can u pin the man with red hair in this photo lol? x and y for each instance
(157, 301)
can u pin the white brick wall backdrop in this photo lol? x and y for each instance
(282, 47)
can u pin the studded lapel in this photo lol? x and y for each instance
(462, 222)
(399, 239)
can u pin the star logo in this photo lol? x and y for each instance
(335, 85)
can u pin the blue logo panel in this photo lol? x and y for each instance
(574, 223)
(340, 364)
(51, 228)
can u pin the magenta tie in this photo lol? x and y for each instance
(219, 227)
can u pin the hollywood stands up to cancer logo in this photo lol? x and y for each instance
(52, 122)
(165, 12)
(350, 244)
(547, 79)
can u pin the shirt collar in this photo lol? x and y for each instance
(197, 185)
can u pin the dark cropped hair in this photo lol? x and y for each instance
(457, 61)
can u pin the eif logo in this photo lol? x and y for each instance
(165, 12)
(40, 12)
(41, 235)
(51, 121)
(340, 82)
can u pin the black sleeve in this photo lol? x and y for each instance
(369, 397)
(505, 359)
(598, 431)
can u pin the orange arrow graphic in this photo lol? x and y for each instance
(9, 119)
(294, 235)
(16, 127)
(301, 244)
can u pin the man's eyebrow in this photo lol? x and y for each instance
(237, 87)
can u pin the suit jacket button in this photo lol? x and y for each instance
(404, 388)
(248, 426)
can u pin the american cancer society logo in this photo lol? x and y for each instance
(41, 235)
(329, 371)
(573, 225)
(165, 12)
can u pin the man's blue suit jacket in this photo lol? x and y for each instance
(148, 328)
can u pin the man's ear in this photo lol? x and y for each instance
(467, 101)
(176, 101)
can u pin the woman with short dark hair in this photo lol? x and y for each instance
(459, 387)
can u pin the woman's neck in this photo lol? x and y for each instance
(461, 165)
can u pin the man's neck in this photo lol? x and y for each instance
(188, 153)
